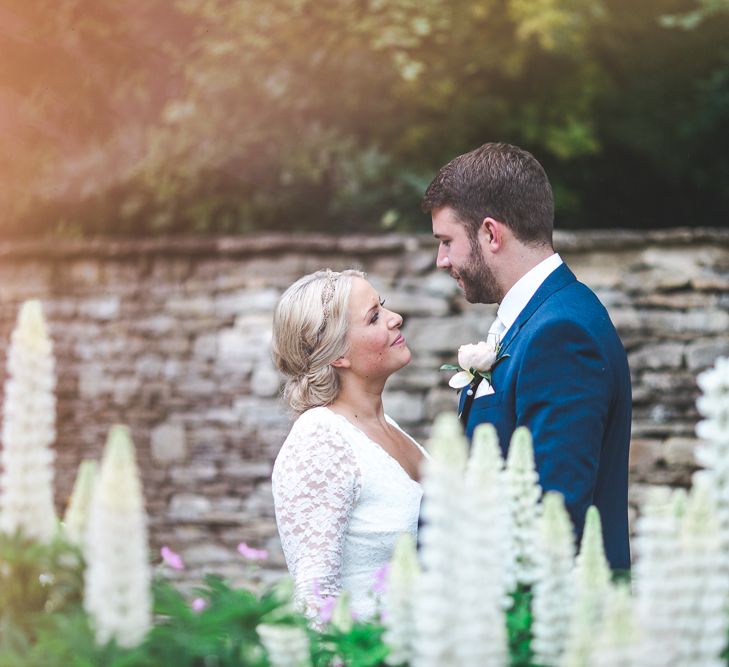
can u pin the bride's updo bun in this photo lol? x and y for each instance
(309, 333)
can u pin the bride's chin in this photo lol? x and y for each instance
(407, 357)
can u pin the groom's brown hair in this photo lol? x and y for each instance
(497, 181)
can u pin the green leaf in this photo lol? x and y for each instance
(450, 367)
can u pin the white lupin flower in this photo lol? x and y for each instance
(553, 588)
(480, 576)
(77, 513)
(524, 493)
(398, 616)
(703, 588)
(592, 579)
(655, 576)
(713, 452)
(342, 618)
(713, 404)
(116, 593)
(28, 432)
(435, 603)
(286, 645)
(617, 640)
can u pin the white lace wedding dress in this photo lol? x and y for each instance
(341, 502)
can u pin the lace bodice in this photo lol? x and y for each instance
(341, 502)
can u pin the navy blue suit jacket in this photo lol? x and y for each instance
(567, 380)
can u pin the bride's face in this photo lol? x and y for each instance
(376, 347)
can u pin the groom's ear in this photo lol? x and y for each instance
(492, 234)
(342, 362)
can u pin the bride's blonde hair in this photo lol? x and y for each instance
(310, 332)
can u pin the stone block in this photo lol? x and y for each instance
(92, 381)
(704, 353)
(100, 308)
(195, 386)
(600, 270)
(670, 323)
(206, 554)
(244, 301)
(189, 534)
(611, 298)
(205, 346)
(711, 282)
(671, 260)
(266, 380)
(655, 280)
(439, 401)
(173, 345)
(680, 451)
(666, 381)
(644, 456)
(245, 346)
(225, 416)
(260, 502)
(169, 442)
(260, 413)
(60, 308)
(667, 355)
(431, 335)
(408, 303)
(435, 283)
(247, 470)
(677, 300)
(417, 379)
(193, 473)
(124, 389)
(190, 306)
(84, 272)
(404, 407)
(149, 366)
(189, 507)
(156, 325)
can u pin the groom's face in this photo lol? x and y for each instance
(460, 254)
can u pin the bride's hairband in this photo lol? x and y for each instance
(327, 294)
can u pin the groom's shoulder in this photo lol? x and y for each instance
(574, 299)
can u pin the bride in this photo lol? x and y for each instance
(345, 483)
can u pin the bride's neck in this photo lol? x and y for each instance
(363, 404)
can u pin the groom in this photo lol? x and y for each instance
(565, 375)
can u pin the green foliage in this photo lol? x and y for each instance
(518, 625)
(35, 579)
(223, 633)
(212, 116)
(359, 646)
(38, 582)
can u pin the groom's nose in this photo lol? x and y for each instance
(442, 261)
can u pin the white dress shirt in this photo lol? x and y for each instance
(517, 298)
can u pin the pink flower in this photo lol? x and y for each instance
(174, 560)
(198, 604)
(326, 609)
(381, 574)
(250, 553)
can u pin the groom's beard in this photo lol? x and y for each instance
(479, 282)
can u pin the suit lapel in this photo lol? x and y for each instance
(559, 278)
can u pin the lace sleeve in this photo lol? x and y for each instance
(316, 482)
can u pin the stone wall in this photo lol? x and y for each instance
(171, 337)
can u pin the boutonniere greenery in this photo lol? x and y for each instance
(474, 360)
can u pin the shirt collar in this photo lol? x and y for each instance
(524, 289)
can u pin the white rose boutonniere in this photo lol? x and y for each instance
(477, 360)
